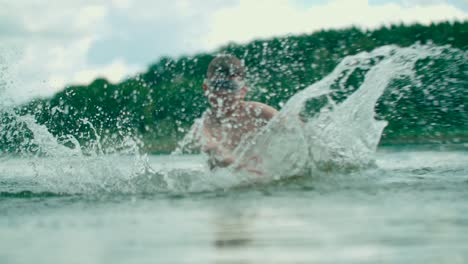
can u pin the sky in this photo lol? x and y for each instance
(46, 45)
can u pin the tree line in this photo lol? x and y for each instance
(159, 105)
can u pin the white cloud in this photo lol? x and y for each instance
(260, 19)
(121, 4)
(53, 42)
(49, 49)
(89, 16)
(422, 2)
(113, 72)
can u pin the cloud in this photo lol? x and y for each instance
(113, 72)
(45, 39)
(161, 28)
(89, 16)
(460, 4)
(71, 42)
(261, 19)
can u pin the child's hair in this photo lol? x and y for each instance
(225, 66)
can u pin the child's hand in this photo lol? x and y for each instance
(218, 157)
(250, 165)
(210, 148)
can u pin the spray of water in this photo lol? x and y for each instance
(301, 140)
(338, 136)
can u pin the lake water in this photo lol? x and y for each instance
(411, 208)
(326, 192)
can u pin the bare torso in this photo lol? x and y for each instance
(240, 126)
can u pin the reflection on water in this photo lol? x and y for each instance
(232, 229)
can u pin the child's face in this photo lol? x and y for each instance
(223, 100)
(224, 95)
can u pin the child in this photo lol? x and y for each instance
(230, 120)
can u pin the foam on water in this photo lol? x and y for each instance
(338, 136)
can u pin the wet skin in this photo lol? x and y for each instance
(230, 121)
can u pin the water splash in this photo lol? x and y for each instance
(42, 162)
(313, 134)
(337, 136)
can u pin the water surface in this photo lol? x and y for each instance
(411, 208)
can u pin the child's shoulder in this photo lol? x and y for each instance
(261, 109)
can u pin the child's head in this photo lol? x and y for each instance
(225, 66)
(224, 84)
